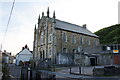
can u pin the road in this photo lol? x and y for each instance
(14, 71)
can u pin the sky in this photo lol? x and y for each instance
(97, 14)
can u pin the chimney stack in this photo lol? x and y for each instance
(84, 26)
(23, 48)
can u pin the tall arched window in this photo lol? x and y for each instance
(42, 38)
(43, 54)
(40, 54)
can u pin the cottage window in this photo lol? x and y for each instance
(64, 37)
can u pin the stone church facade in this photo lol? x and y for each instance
(62, 42)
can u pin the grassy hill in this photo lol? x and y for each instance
(109, 35)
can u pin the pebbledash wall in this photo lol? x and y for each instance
(65, 43)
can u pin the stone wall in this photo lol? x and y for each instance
(65, 58)
(69, 45)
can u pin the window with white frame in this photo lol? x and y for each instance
(50, 51)
(73, 38)
(88, 41)
(81, 40)
(64, 50)
(96, 42)
(64, 36)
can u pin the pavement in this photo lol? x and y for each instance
(86, 74)
(75, 70)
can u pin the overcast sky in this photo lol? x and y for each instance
(97, 14)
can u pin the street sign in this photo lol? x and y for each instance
(115, 51)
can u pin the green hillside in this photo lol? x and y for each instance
(109, 35)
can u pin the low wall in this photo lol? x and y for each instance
(107, 71)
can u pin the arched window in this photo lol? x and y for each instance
(43, 54)
(42, 38)
(40, 54)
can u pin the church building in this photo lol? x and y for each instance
(62, 42)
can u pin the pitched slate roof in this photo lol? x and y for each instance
(72, 27)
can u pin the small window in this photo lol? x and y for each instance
(64, 37)
(88, 41)
(111, 47)
(119, 47)
(96, 42)
(103, 48)
(115, 47)
(74, 50)
(81, 40)
(108, 48)
(73, 38)
(64, 50)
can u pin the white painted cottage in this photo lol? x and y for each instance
(24, 55)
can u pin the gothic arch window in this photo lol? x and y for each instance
(42, 38)
(43, 54)
(50, 51)
(40, 54)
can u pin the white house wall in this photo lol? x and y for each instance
(24, 55)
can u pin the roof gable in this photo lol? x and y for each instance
(25, 51)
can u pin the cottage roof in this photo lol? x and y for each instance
(72, 27)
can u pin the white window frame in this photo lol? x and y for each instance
(64, 35)
(81, 39)
(73, 38)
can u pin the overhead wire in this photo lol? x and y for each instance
(7, 25)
